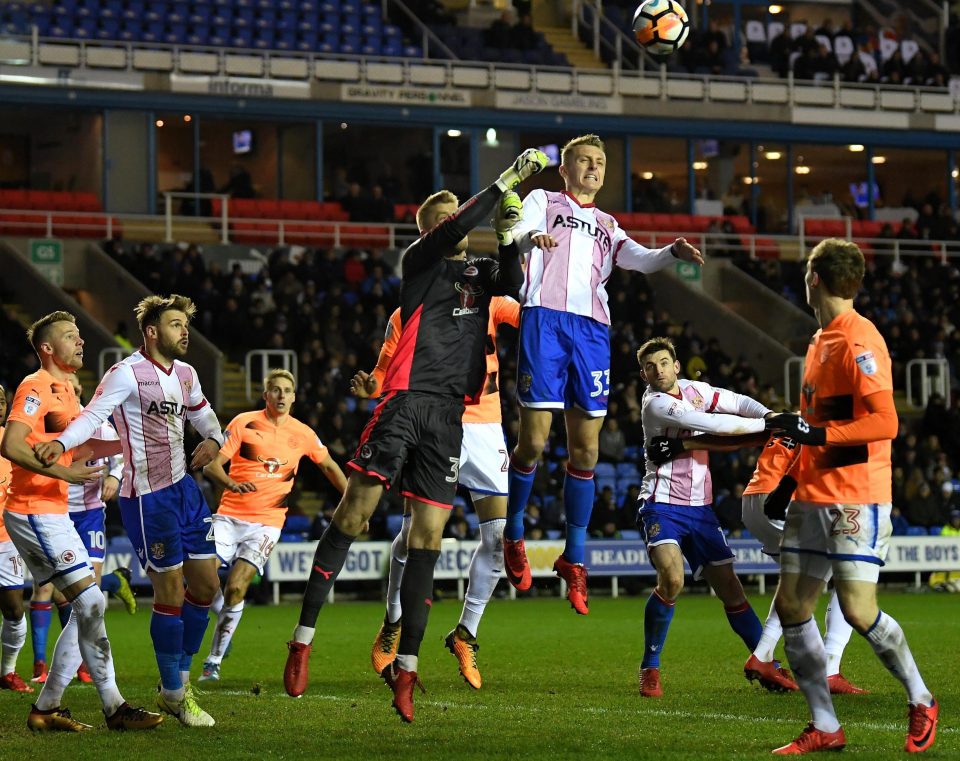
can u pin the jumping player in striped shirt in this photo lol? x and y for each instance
(163, 511)
(676, 500)
(483, 472)
(564, 363)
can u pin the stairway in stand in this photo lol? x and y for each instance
(563, 41)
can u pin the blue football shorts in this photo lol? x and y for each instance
(694, 528)
(91, 525)
(169, 526)
(564, 361)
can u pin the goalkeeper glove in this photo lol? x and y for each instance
(775, 505)
(663, 449)
(797, 429)
(508, 213)
(526, 165)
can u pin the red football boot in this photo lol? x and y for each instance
(296, 673)
(14, 682)
(923, 727)
(840, 686)
(650, 683)
(402, 683)
(771, 677)
(575, 574)
(813, 740)
(516, 565)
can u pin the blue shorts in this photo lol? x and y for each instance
(694, 529)
(169, 526)
(564, 361)
(91, 525)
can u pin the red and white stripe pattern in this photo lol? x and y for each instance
(152, 403)
(572, 276)
(696, 408)
(83, 497)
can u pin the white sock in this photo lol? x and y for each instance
(303, 634)
(227, 623)
(398, 559)
(836, 636)
(407, 662)
(804, 648)
(216, 605)
(772, 631)
(889, 643)
(63, 667)
(12, 635)
(486, 566)
(88, 609)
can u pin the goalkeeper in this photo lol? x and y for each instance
(414, 436)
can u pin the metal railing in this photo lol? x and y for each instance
(934, 379)
(108, 357)
(288, 362)
(170, 195)
(606, 37)
(792, 369)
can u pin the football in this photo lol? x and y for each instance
(661, 26)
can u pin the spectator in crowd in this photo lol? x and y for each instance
(606, 519)
(524, 37)
(942, 581)
(899, 521)
(500, 33)
(240, 184)
(613, 443)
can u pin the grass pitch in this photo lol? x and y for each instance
(555, 686)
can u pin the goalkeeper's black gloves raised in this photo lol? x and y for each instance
(663, 449)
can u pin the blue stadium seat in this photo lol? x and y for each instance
(297, 523)
(629, 533)
(604, 482)
(553, 533)
(473, 521)
(627, 470)
(290, 536)
(936, 530)
(394, 524)
(242, 38)
(916, 531)
(459, 501)
(605, 470)
(372, 47)
(392, 48)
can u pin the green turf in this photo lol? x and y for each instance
(555, 686)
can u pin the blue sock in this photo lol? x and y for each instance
(40, 615)
(63, 613)
(195, 616)
(656, 623)
(744, 622)
(518, 494)
(110, 582)
(166, 631)
(578, 493)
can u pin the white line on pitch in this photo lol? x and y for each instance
(598, 710)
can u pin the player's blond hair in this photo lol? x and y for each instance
(40, 330)
(441, 196)
(278, 373)
(653, 345)
(840, 265)
(593, 140)
(149, 310)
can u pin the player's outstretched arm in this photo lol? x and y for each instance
(215, 472)
(442, 240)
(364, 385)
(16, 449)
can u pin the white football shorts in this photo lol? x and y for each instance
(767, 531)
(50, 547)
(242, 540)
(11, 567)
(484, 460)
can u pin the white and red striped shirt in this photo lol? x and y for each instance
(83, 497)
(572, 277)
(152, 403)
(697, 408)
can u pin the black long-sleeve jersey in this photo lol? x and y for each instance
(445, 306)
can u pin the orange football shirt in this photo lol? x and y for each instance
(268, 456)
(4, 486)
(47, 405)
(846, 362)
(503, 310)
(774, 462)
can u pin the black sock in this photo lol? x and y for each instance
(328, 560)
(416, 593)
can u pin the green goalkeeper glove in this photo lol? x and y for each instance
(508, 213)
(526, 165)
